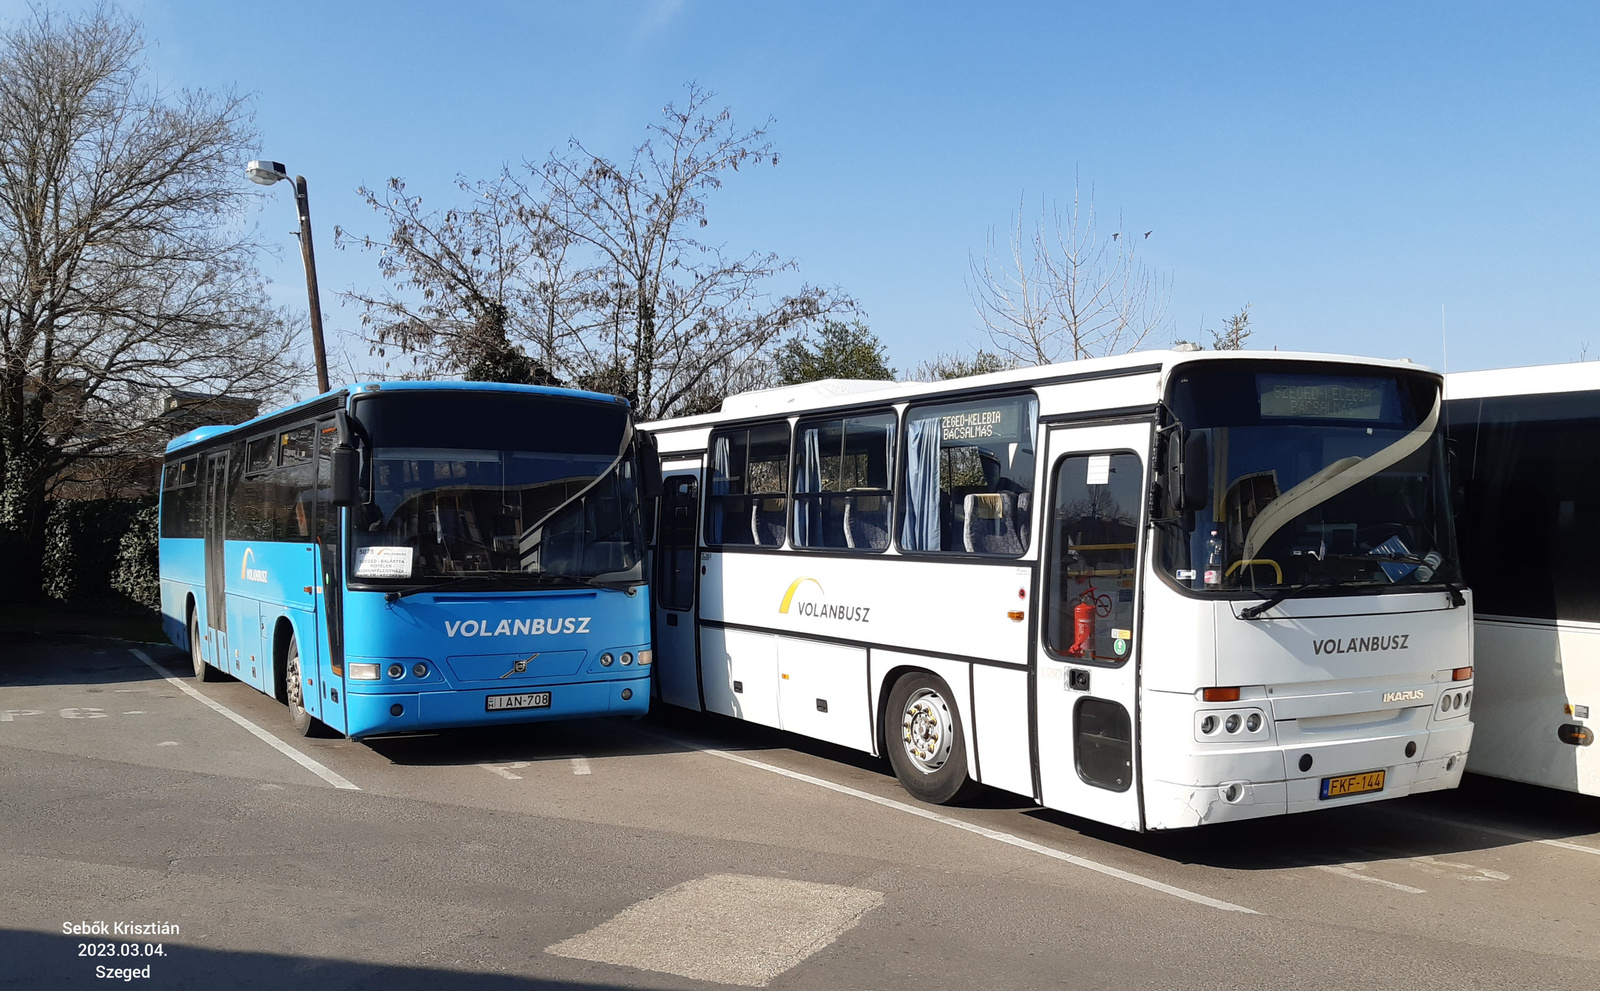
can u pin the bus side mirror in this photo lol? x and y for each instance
(1188, 481)
(346, 469)
(649, 465)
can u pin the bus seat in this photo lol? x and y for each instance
(990, 526)
(768, 520)
(866, 521)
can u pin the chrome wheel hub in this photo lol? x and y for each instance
(927, 730)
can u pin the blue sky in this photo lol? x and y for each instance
(1345, 168)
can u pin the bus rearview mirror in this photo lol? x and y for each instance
(345, 469)
(1196, 476)
(649, 465)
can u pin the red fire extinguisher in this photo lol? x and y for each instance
(1083, 626)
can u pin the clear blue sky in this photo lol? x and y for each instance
(1345, 168)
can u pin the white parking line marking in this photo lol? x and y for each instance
(1524, 837)
(167, 743)
(984, 831)
(504, 769)
(7, 714)
(330, 776)
(580, 765)
(134, 712)
(1346, 871)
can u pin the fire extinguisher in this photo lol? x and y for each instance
(1083, 626)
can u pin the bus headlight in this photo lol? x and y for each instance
(605, 659)
(363, 672)
(1208, 725)
(627, 658)
(397, 670)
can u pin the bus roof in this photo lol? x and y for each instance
(200, 434)
(1572, 376)
(841, 392)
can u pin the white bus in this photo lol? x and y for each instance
(1527, 465)
(1155, 590)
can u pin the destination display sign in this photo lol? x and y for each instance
(1322, 398)
(998, 422)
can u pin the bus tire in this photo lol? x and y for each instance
(202, 670)
(294, 686)
(926, 742)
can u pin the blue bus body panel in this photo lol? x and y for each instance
(472, 645)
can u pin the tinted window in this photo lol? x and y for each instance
(181, 503)
(1527, 472)
(1103, 744)
(258, 455)
(294, 446)
(969, 476)
(842, 472)
(1094, 542)
(675, 548)
(748, 499)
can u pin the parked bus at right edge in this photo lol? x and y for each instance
(1527, 466)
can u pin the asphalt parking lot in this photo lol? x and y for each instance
(683, 851)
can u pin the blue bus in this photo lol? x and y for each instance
(404, 556)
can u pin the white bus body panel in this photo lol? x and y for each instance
(1528, 671)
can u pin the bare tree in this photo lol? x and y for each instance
(598, 268)
(124, 269)
(468, 284)
(1059, 290)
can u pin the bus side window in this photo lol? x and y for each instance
(842, 472)
(969, 476)
(748, 498)
(675, 550)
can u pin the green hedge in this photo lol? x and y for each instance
(101, 548)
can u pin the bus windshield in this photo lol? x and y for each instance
(513, 489)
(1314, 477)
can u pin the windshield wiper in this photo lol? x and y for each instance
(584, 581)
(395, 595)
(1251, 612)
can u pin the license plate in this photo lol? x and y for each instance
(527, 700)
(1352, 784)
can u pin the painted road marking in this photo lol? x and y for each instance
(326, 774)
(1524, 837)
(504, 770)
(580, 765)
(726, 928)
(984, 831)
(1354, 871)
(167, 743)
(77, 712)
(7, 714)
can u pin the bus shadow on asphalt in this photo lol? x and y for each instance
(36, 959)
(1483, 814)
(28, 660)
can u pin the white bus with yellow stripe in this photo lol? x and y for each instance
(1156, 590)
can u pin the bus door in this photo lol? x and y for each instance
(216, 517)
(1089, 635)
(329, 694)
(676, 567)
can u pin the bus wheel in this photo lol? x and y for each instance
(202, 670)
(926, 744)
(294, 687)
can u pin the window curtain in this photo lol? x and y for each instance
(721, 468)
(808, 512)
(921, 529)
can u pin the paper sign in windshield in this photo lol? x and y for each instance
(383, 562)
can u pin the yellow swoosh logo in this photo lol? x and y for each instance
(244, 566)
(788, 596)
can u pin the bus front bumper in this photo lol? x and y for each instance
(369, 714)
(1230, 786)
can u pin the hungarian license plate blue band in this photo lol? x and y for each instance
(525, 700)
(1352, 784)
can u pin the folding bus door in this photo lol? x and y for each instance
(676, 563)
(216, 516)
(1089, 618)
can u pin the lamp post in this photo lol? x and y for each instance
(267, 173)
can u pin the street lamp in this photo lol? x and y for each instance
(267, 173)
